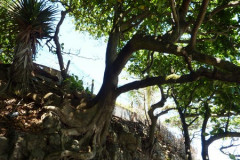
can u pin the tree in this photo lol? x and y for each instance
(191, 32)
(154, 117)
(208, 101)
(221, 118)
(183, 107)
(188, 40)
(55, 38)
(32, 21)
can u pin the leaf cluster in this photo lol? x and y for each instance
(25, 21)
(33, 16)
(75, 84)
(7, 37)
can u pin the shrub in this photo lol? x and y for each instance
(74, 83)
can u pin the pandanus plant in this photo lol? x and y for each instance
(33, 21)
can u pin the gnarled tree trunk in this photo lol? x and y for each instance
(22, 66)
(92, 119)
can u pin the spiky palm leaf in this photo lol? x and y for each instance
(33, 21)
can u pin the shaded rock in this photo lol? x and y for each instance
(51, 123)
(129, 140)
(19, 150)
(37, 154)
(35, 142)
(3, 145)
(126, 141)
(51, 99)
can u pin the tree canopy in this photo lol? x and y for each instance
(168, 42)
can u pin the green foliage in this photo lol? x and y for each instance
(222, 41)
(23, 21)
(33, 17)
(76, 84)
(217, 128)
(30, 21)
(231, 156)
(98, 17)
(7, 37)
(6, 57)
(205, 134)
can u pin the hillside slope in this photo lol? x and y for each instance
(28, 130)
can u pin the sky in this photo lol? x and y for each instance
(92, 67)
(90, 62)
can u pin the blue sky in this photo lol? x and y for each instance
(85, 46)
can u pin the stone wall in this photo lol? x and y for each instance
(126, 141)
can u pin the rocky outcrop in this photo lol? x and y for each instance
(126, 141)
(30, 132)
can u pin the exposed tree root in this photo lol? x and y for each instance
(66, 154)
(78, 120)
(86, 122)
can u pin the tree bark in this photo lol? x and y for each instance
(58, 46)
(205, 145)
(22, 67)
(187, 141)
(152, 128)
(204, 150)
(154, 118)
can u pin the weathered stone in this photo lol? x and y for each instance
(20, 150)
(121, 144)
(37, 154)
(51, 123)
(3, 145)
(51, 99)
(55, 139)
(129, 141)
(35, 142)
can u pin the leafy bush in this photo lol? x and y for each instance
(75, 83)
